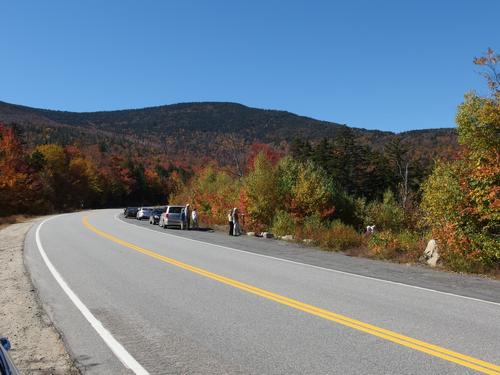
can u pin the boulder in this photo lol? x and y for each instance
(251, 234)
(267, 235)
(287, 237)
(431, 253)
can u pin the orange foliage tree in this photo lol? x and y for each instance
(462, 199)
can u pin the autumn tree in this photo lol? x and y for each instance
(55, 183)
(398, 154)
(312, 193)
(461, 199)
(17, 184)
(86, 183)
(261, 192)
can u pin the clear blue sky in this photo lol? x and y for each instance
(392, 65)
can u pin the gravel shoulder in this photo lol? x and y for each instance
(37, 347)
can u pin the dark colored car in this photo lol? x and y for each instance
(131, 212)
(144, 213)
(6, 365)
(154, 218)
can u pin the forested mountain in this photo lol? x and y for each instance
(208, 129)
(184, 138)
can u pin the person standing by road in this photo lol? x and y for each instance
(188, 217)
(230, 221)
(183, 218)
(194, 216)
(236, 223)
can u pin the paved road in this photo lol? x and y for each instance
(171, 302)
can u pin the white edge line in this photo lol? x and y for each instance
(313, 266)
(120, 352)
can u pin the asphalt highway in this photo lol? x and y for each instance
(131, 298)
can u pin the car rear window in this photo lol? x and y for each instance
(174, 210)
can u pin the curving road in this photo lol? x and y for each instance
(132, 298)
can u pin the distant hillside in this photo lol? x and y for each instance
(200, 128)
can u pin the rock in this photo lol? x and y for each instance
(287, 237)
(267, 235)
(251, 234)
(431, 253)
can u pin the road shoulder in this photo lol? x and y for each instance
(37, 347)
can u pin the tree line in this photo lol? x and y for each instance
(55, 178)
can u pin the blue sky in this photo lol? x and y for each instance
(390, 65)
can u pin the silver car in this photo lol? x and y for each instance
(173, 216)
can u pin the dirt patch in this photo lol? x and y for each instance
(37, 347)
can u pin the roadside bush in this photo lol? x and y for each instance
(348, 209)
(466, 242)
(385, 215)
(311, 228)
(283, 224)
(402, 247)
(339, 237)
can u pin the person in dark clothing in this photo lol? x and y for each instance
(230, 221)
(188, 217)
(183, 219)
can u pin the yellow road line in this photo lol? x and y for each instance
(422, 346)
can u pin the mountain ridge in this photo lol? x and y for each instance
(199, 128)
(206, 103)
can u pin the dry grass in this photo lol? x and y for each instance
(14, 219)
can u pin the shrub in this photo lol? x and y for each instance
(283, 224)
(348, 209)
(386, 215)
(339, 236)
(466, 242)
(403, 247)
(311, 228)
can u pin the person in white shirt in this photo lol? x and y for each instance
(236, 222)
(194, 217)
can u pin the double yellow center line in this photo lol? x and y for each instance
(434, 350)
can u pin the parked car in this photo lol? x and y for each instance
(172, 217)
(144, 213)
(154, 218)
(130, 212)
(6, 365)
